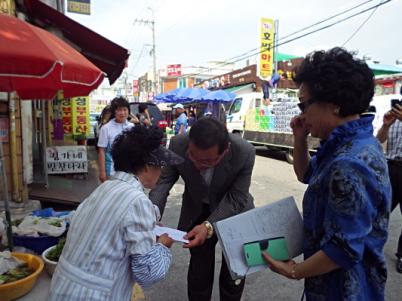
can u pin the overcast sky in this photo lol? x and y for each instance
(193, 32)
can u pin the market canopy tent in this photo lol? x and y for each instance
(36, 64)
(188, 95)
(217, 96)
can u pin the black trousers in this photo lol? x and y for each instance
(395, 174)
(200, 277)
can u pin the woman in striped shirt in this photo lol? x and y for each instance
(110, 243)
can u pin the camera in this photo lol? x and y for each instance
(395, 102)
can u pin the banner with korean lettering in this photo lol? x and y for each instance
(79, 6)
(67, 116)
(135, 87)
(80, 108)
(174, 70)
(66, 159)
(7, 7)
(266, 56)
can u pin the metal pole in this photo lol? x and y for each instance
(44, 143)
(13, 149)
(154, 52)
(152, 25)
(276, 45)
(6, 201)
(6, 198)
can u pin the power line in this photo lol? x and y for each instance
(138, 16)
(228, 61)
(156, 5)
(327, 19)
(303, 29)
(138, 58)
(304, 35)
(151, 23)
(360, 27)
(335, 23)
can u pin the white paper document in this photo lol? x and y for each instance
(174, 234)
(281, 218)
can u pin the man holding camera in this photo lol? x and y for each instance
(391, 131)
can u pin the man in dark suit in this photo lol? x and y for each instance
(217, 174)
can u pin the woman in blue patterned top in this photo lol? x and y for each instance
(347, 202)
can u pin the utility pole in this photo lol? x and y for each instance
(276, 38)
(151, 23)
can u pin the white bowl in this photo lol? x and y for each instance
(50, 265)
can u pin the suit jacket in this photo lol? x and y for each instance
(228, 193)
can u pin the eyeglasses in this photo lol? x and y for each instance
(207, 163)
(305, 104)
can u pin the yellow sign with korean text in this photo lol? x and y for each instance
(80, 109)
(7, 7)
(79, 6)
(266, 55)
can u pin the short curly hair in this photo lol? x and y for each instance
(131, 148)
(336, 77)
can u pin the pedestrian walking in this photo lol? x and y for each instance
(181, 121)
(347, 202)
(143, 115)
(391, 131)
(217, 174)
(191, 119)
(120, 109)
(110, 243)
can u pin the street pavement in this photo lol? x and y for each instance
(273, 178)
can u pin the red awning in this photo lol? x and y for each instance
(36, 64)
(106, 55)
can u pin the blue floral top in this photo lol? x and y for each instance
(346, 211)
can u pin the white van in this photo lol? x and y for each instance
(238, 109)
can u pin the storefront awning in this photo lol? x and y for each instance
(105, 54)
(246, 88)
(381, 69)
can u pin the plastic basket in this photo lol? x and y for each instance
(36, 244)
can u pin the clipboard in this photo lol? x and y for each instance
(279, 219)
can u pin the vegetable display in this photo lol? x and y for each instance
(55, 253)
(16, 274)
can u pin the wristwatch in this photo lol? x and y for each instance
(210, 229)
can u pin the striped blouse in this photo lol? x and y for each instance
(394, 143)
(110, 245)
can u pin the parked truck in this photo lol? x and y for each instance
(269, 125)
(266, 124)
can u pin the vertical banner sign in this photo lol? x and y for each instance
(67, 116)
(135, 87)
(57, 117)
(266, 57)
(79, 6)
(7, 7)
(80, 108)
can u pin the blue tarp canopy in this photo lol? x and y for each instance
(185, 95)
